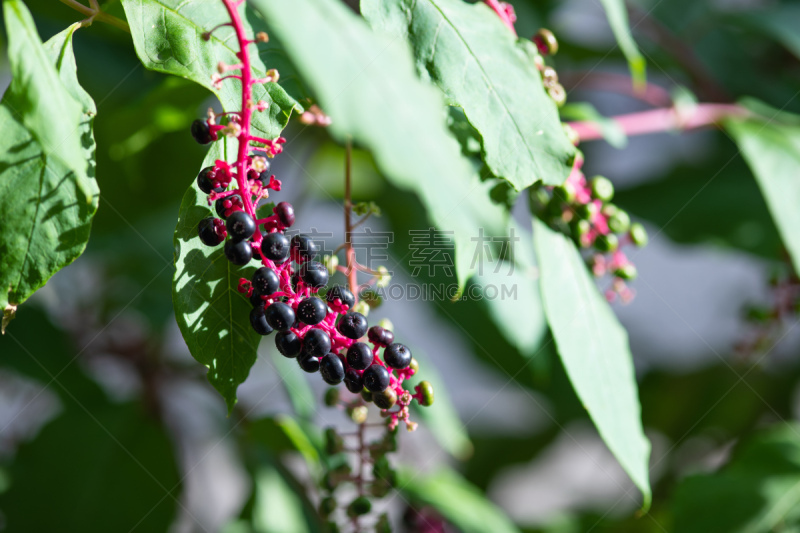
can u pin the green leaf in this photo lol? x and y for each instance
(618, 20)
(366, 83)
(283, 433)
(277, 509)
(481, 67)
(48, 194)
(594, 349)
(459, 502)
(211, 313)
(301, 396)
(168, 38)
(779, 22)
(610, 129)
(758, 491)
(770, 143)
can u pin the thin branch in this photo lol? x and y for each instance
(95, 13)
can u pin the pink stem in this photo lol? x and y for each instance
(245, 114)
(503, 13)
(665, 119)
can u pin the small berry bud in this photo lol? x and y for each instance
(414, 365)
(262, 37)
(362, 307)
(332, 397)
(627, 272)
(545, 42)
(385, 399)
(359, 414)
(333, 442)
(638, 234)
(331, 262)
(426, 391)
(385, 323)
(327, 506)
(558, 94)
(606, 243)
(602, 188)
(620, 222)
(358, 507)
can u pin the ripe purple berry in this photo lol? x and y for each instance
(288, 343)
(380, 336)
(341, 293)
(312, 311)
(309, 363)
(376, 378)
(238, 252)
(316, 342)
(275, 247)
(280, 316)
(352, 325)
(208, 233)
(353, 381)
(359, 356)
(240, 225)
(201, 132)
(259, 321)
(303, 248)
(314, 274)
(204, 182)
(222, 205)
(332, 369)
(285, 213)
(397, 356)
(265, 282)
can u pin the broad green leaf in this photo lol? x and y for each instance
(460, 503)
(610, 129)
(367, 84)
(758, 491)
(593, 347)
(481, 67)
(48, 194)
(441, 418)
(283, 433)
(617, 15)
(110, 461)
(770, 143)
(168, 38)
(277, 508)
(211, 313)
(301, 396)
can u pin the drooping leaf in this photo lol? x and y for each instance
(459, 502)
(168, 36)
(481, 67)
(758, 491)
(48, 194)
(770, 143)
(366, 83)
(617, 15)
(593, 347)
(212, 315)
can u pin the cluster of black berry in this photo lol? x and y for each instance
(313, 323)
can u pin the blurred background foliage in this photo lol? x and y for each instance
(108, 425)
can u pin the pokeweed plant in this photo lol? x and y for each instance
(378, 80)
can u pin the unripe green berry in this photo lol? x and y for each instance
(385, 399)
(545, 42)
(638, 234)
(558, 94)
(564, 193)
(359, 507)
(606, 243)
(620, 222)
(379, 488)
(331, 397)
(327, 506)
(427, 393)
(602, 188)
(626, 272)
(414, 365)
(538, 199)
(385, 323)
(332, 527)
(580, 228)
(366, 395)
(609, 210)
(383, 525)
(586, 211)
(333, 442)
(371, 298)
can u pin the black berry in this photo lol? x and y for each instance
(332, 369)
(288, 343)
(238, 252)
(309, 363)
(256, 300)
(265, 282)
(316, 342)
(201, 132)
(359, 356)
(376, 378)
(341, 293)
(314, 274)
(285, 213)
(280, 316)
(353, 381)
(240, 225)
(208, 233)
(259, 321)
(204, 182)
(397, 356)
(352, 325)
(275, 246)
(380, 336)
(312, 311)
(303, 248)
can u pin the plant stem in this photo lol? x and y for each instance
(664, 119)
(352, 271)
(498, 8)
(94, 13)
